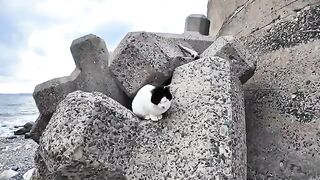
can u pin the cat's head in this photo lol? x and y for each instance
(161, 96)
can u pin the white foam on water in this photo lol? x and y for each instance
(16, 110)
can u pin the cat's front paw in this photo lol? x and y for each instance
(155, 118)
(147, 117)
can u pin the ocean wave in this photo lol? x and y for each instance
(18, 114)
(16, 110)
(18, 104)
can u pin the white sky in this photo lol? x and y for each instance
(47, 27)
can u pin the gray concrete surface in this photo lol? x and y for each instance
(197, 23)
(203, 134)
(145, 58)
(243, 64)
(91, 74)
(90, 136)
(241, 18)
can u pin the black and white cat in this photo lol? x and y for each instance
(151, 102)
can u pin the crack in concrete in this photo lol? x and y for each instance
(249, 2)
(235, 12)
(286, 5)
(195, 168)
(258, 28)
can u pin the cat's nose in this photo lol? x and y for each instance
(163, 107)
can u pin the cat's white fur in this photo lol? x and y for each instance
(144, 108)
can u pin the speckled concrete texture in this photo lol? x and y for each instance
(146, 58)
(202, 136)
(301, 27)
(282, 98)
(243, 64)
(241, 18)
(90, 136)
(91, 74)
(282, 113)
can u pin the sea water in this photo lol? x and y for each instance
(16, 110)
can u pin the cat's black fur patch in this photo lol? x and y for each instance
(158, 93)
(167, 82)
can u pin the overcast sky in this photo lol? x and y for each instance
(35, 35)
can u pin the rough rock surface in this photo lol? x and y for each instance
(243, 64)
(24, 129)
(203, 134)
(197, 23)
(8, 174)
(283, 110)
(146, 58)
(28, 174)
(90, 136)
(241, 18)
(17, 154)
(302, 27)
(91, 74)
(282, 98)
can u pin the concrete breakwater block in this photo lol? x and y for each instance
(146, 58)
(197, 23)
(91, 74)
(203, 134)
(243, 63)
(283, 114)
(90, 136)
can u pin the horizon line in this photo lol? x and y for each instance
(15, 93)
